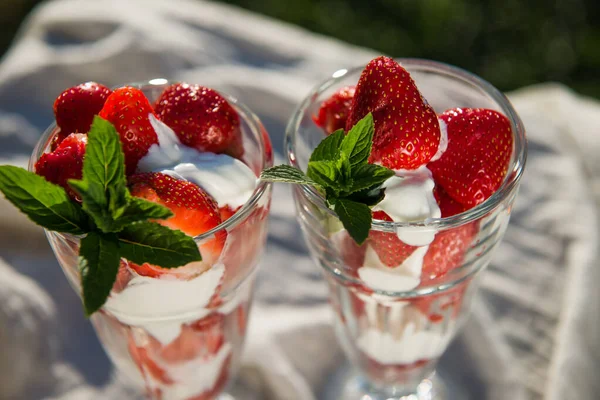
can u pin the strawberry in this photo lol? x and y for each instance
(407, 131)
(64, 163)
(76, 107)
(448, 206)
(128, 110)
(146, 364)
(202, 338)
(390, 249)
(334, 111)
(476, 161)
(195, 212)
(352, 254)
(201, 118)
(447, 251)
(227, 212)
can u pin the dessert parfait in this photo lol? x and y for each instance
(171, 222)
(403, 200)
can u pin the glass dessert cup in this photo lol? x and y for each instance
(180, 336)
(394, 331)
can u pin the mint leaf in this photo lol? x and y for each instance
(325, 174)
(370, 196)
(344, 173)
(355, 217)
(369, 175)
(103, 188)
(140, 209)
(98, 264)
(329, 148)
(358, 142)
(45, 203)
(288, 174)
(149, 242)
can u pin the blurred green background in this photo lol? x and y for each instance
(511, 43)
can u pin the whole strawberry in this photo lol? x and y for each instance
(407, 132)
(76, 107)
(64, 163)
(195, 212)
(334, 111)
(476, 161)
(448, 206)
(201, 118)
(129, 110)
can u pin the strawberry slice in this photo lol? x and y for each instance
(227, 212)
(476, 161)
(146, 364)
(391, 250)
(448, 206)
(447, 251)
(64, 163)
(334, 111)
(202, 338)
(76, 107)
(407, 131)
(201, 118)
(128, 110)
(195, 212)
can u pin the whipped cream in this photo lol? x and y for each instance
(413, 345)
(228, 180)
(145, 300)
(403, 277)
(443, 146)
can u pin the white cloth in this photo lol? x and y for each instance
(534, 332)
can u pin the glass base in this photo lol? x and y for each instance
(347, 385)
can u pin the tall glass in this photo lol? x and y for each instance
(184, 340)
(394, 337)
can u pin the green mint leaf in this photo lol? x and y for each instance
(370, 196)
(103, 188)
(358, 142)
(325, 174)
(355, 217)
(149, 242)
(43, 202)
(139, 210)
(98, 264)
(287, 174)
(329, 148)
(369, 175)
(344, 173)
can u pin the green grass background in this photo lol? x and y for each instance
(511, 43)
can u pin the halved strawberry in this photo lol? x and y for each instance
(447, 251)
(201, 118)
(76, 107)
(64, 163)
(480, 144)
(195, 212)
(334, 111)
(202, 338)
(128, 109)
(390, 249)
(407, 131)
(448, 206)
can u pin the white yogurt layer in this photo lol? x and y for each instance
(379, 276)
(228, 180)
(413, 345)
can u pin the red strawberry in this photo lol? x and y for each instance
(390, 249)
(128, 110)
(145, 363)
(202, 338)
(334, 111)
(475, 163)
(447, 251)
(76, 107)
(448, 206)
(352, 254)
(407, 131)
(64, 163)
(201, 118)
(195, 212)
(227, 212)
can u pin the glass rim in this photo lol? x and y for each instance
(510, 183)
(245, 113)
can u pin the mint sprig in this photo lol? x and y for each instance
(113, 223)
(340, 170)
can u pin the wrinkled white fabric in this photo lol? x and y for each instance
(534, 332)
